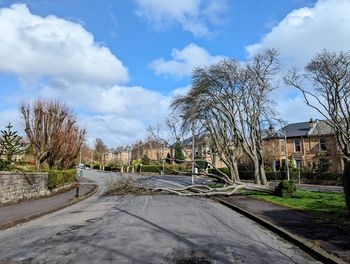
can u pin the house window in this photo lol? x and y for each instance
(297, 145)
(323, 144)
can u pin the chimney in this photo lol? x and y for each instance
(311, 123)
(270, 131)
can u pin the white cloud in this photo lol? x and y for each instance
(294, 110)
(299, 36)
(114, 130)
(184, 61)
(11, 116)
(194, 16)
(31, 45)
(118, 114)
(128, 102)
(180, 91)
(309, 30)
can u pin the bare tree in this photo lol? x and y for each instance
(100, 149)
(175, 127)
(329, 72)
(231, 102)
(49, 126)
(70, 140)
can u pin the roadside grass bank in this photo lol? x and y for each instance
(327, 207)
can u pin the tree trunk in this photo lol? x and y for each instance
(234, 172)
(262, 174)
(256, 172)
(37, 164)
(237, 172)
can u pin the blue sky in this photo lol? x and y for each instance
(119, 63)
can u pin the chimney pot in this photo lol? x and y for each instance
(311, 123)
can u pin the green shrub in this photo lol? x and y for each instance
(151, 168)
(59, 178)
(96, 166)
(174, 168)
(346, 184)
(108, 168)
(202, 164)
(224, 170)
(286, 189)
(4, 165)
(116, 168)
(145, 160)
(179, 152)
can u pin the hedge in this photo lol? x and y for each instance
(96, 166)
(58, 178)
(169, 169)
(306, 177)
(107, 168)
(224, 170)
(151, 168)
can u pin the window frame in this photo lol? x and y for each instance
(322, 144)
(295, 145)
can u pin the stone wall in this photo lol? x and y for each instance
(17, 186)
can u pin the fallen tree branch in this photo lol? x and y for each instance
(203, 190)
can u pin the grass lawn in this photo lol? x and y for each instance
(328, 207)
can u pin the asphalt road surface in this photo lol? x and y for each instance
(144, 229)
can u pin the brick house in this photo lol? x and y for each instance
(152, 149)
(307, 143)
(202, 150)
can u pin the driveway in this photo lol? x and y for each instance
(144, 229)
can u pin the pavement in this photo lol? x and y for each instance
(326, 235)
(20, 212)
(321, 188)
(144, 229)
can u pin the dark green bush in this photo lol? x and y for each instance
(224, 170)
(151, 168)
(179, 152)
(59, 178)
(145, 160)
(108, 168)
(346, 184)
(4, 165)
(286, 189)
(116, 168)
(96, 166)
(202, 164)
(305, 177)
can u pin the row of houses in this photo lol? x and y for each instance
(305, 144)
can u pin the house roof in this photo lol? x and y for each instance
(303, 129)
(322, 128)
(297, 129)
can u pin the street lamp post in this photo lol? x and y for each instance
(92, 157)
(80, 154)
(193, 167)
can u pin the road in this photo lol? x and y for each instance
(144, 229)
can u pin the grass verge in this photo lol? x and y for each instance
(328, 207)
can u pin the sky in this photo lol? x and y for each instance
(119, 63)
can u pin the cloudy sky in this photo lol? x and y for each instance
(119, 63)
